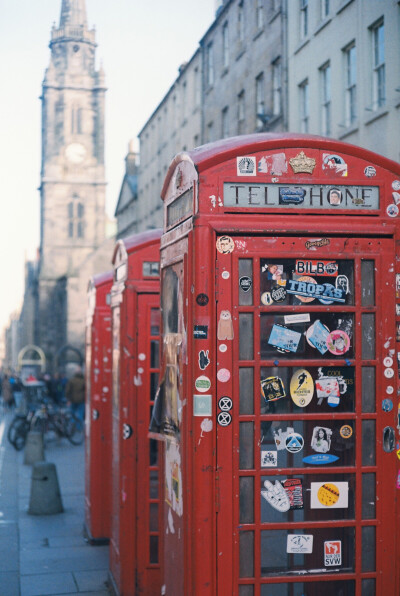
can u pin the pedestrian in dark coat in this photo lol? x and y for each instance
(75, 393)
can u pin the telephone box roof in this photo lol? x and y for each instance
(212, 154)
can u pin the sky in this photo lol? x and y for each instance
(141, 46)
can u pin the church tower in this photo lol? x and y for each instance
(72, 189)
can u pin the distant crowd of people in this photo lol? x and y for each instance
(58, 388)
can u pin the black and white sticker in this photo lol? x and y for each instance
(224, 419)
(225, 403)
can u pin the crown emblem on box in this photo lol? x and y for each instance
(302, 163)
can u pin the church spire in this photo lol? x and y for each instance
(73, 12)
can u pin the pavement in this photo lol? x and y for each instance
(46, 555)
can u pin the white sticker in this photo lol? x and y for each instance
(225, 275)
(297, 319)
(396, 197)
(388, 361)
(269, 459)
(246, 166)
(222, 348)
(392, 210)
(299, 543)
(142, 356)
(396, 184)
(276, 496)
(223, 375)
(389, 389)
(329, 495)
(389, 373)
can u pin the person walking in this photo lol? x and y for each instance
(75, 393)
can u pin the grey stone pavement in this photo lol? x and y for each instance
(46, 555)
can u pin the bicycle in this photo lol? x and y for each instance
(61, 421)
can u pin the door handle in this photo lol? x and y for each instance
(388, 439)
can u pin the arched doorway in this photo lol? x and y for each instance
(31, 362)
(67, 359)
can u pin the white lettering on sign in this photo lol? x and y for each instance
(307, 196)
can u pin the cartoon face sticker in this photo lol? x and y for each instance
(334, 165)
(225, 326)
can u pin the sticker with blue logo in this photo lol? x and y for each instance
(317, 335)
(325, 291)
(387, 405)
(284, 338)
(293, 195)
(320, 459)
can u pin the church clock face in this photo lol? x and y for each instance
(75, 153)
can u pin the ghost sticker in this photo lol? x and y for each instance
(225, 326)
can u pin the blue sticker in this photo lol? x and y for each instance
(317, 335)
(312, 290)
(320, 459)
(284, 338)
(387, 405)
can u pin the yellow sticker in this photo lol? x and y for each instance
(301, 387)
(346, 431)
(398, 453)
(328, 494)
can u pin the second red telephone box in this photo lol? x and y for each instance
(136, 528)
(281, 340)
(98, 410)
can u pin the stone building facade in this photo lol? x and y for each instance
(328, 67)
(344, 72)
(73, 244)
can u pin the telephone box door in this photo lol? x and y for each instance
(306, 428)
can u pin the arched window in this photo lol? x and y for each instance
(76, 223)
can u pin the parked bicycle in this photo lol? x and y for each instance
(46, 419)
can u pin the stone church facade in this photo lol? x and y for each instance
(72, 189)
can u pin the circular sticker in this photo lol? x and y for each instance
(338, 342)
(387, 405)
(328, 494)
(370, 171)
(310, 331)
(222, 348)
(301, 387)
(224, 419)
(396, 197)
(126, 431)
(388, 372)
(202, 383)
(266, 298)
(388, 361)
(278, 293)
(202, 299)
(346, 431)
(389, 389)
(392, 210)
(294, 443)
(225, 245)
(225, 275)
(223, 375)
(396, 184)
(309, 280)
(140, 370)
(225, 403)
(142, 356)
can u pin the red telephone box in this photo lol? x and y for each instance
(136, 527)
(98, 410)
(281, 330)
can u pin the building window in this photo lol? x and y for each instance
(378, 84)
(277, 87)
(197, 87)
(225, 123)
(351, 81)
(324, 9)
(76, 120)
(325, 74)
(241, 112)
(304, 106)
(210, 64)
(210, 132)
(260, 103)
(241, 22)
(225, 45)
(184, 100)
(76, 211)
(259, 14)
(303, 18)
